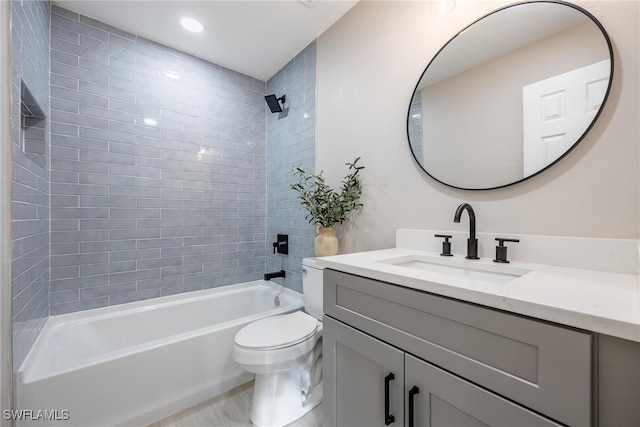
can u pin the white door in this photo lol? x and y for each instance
(556, 112)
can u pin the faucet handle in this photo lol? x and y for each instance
(446, 245)
(281, 245)
(501, 249)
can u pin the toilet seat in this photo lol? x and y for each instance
(295, 335)
(277, 332)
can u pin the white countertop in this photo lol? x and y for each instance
(599, 301)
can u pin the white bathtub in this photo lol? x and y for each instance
(136, 363)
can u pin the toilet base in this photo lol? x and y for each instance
(278, 399)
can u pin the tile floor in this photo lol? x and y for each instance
(230, 409)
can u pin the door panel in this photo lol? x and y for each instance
(447, 400)
(354, 378)
(556, 112)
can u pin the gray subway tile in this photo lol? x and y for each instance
(187, 287)
(83, 143)
(107, 268)
(106, 135)
(78, 27)
(64, 201)
(102, 291)
(78, 236)
(93, 111)
(135, 129)
(64, 296)
(106, 91)
(106, 158)
(64, 272)
(87, 76)
(66, 35)
(107, 246)
(78, 259)
(111, 202)
(105, 224)
(64, 105)
(65, 82)
(181, 251)
(161, 190)
(136, 192)
(79, 95)
(102, 179)
(159, 243)
(134, 234)
(160, 283)
(57, 10)
(159, 203)
(106, 27)
(71, 307)
(134, 296)
(132, 276)
(160, 262)
(134, 255)
(134, 213)
(81, 213)
(79, 282)
(64, 58)
(134, 171)
(159, 222)
(112, 51)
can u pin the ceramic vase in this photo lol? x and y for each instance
(326, 242)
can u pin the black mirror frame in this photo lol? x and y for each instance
(587, 130)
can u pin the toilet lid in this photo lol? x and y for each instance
(277, 331)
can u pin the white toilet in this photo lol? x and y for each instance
(285, 353)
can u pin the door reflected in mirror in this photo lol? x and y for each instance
(510, 95)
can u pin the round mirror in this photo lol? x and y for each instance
(510, 95)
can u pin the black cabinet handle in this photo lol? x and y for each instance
(388, 418)
(415, 390)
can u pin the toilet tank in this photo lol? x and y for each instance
(312, 287)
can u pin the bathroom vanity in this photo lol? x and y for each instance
(407, 345)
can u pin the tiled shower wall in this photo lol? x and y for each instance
(291, 143)
(30, 181)
(158, 169)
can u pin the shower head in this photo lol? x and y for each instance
(274, 103)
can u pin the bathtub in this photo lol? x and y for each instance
(136, 363)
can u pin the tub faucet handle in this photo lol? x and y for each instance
(281, 245)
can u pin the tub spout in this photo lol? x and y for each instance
(269, 276)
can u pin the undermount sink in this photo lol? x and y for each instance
(498, 273)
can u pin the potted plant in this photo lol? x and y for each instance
(327, 207)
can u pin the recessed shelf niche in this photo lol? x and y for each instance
(34, 128)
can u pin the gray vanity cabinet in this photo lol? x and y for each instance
(469, 362)
(359, 391)
(355, 368)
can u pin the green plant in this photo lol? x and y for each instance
(324, 205)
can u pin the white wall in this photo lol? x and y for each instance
(368, 65)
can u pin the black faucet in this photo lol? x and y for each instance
(472, 242)
(269, 276)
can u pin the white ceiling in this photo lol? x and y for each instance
(254, 37)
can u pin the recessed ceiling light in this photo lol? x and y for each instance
(192, 25)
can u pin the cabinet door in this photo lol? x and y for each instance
(356, 368)
(443, 399)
